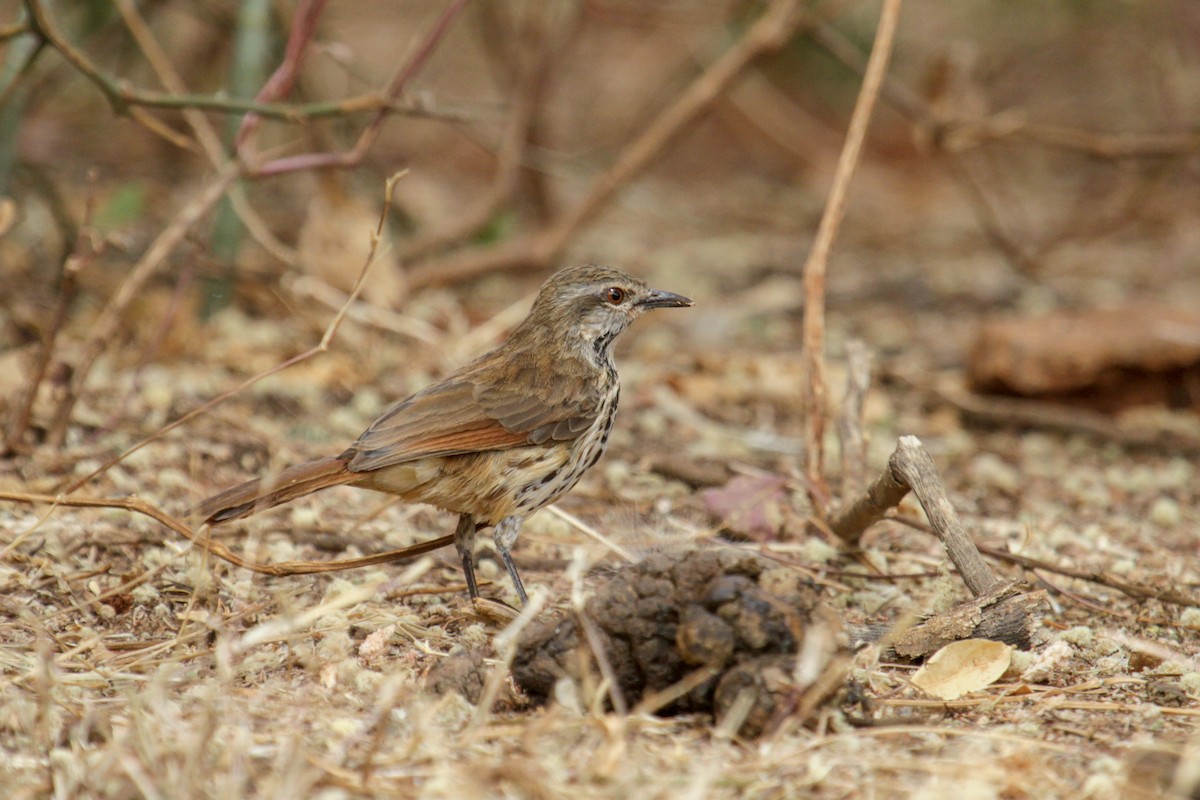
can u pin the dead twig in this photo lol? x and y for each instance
(912, 106)
(593, 637)
(14, 440)
(851, 437)
(1137, 591)
(404, 76)
(813, 346)
(957, 135)
(505, 644)
(124, 99)
(1134, 590)
(988, 217)
(202, 129)
(960, 134)
(283, 79)
(1012, 411)
(911, 469)
(531, 75)
(951, 137)
(12, 30)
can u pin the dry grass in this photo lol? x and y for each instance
(192, 679)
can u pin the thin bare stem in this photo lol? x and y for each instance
(532, 77)
(202, 128)
(768, 34)
(19, 423)
(13, 30)
(122, 97)
(813, 356)
(279, 85)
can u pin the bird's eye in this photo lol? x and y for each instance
(615, 295)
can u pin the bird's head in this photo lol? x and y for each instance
(593, 304)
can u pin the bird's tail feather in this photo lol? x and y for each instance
(257, 495)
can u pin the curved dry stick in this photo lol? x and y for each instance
(18, 424)
(283, 79)
(205, 133)
(532, 79)
(220, 550)
(1167, 594)
(122, 97)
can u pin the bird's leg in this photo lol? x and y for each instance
(464, 543)
(505, 536)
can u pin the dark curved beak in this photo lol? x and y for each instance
(660, 299)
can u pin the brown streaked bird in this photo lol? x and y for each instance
(498, 439)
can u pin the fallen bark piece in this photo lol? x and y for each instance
(1105, 359)
(1006, 614)
(664, 618)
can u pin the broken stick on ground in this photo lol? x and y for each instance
(997, 611)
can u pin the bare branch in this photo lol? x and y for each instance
(110, 318)
(911, 469)
(122, 97)
(370, 133)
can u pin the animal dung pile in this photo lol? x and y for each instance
(693, 631)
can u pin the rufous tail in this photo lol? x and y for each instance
(257, 495)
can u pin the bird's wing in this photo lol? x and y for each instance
(469, 413)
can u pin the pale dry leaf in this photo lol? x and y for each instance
(962, 667)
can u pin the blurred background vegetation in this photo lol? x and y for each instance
(1023, 155)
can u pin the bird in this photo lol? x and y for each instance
(498, 439)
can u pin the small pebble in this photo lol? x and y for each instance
(989, 470)
(1165, 513)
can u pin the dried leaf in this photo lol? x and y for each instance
(750, 505)
(962, 667)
